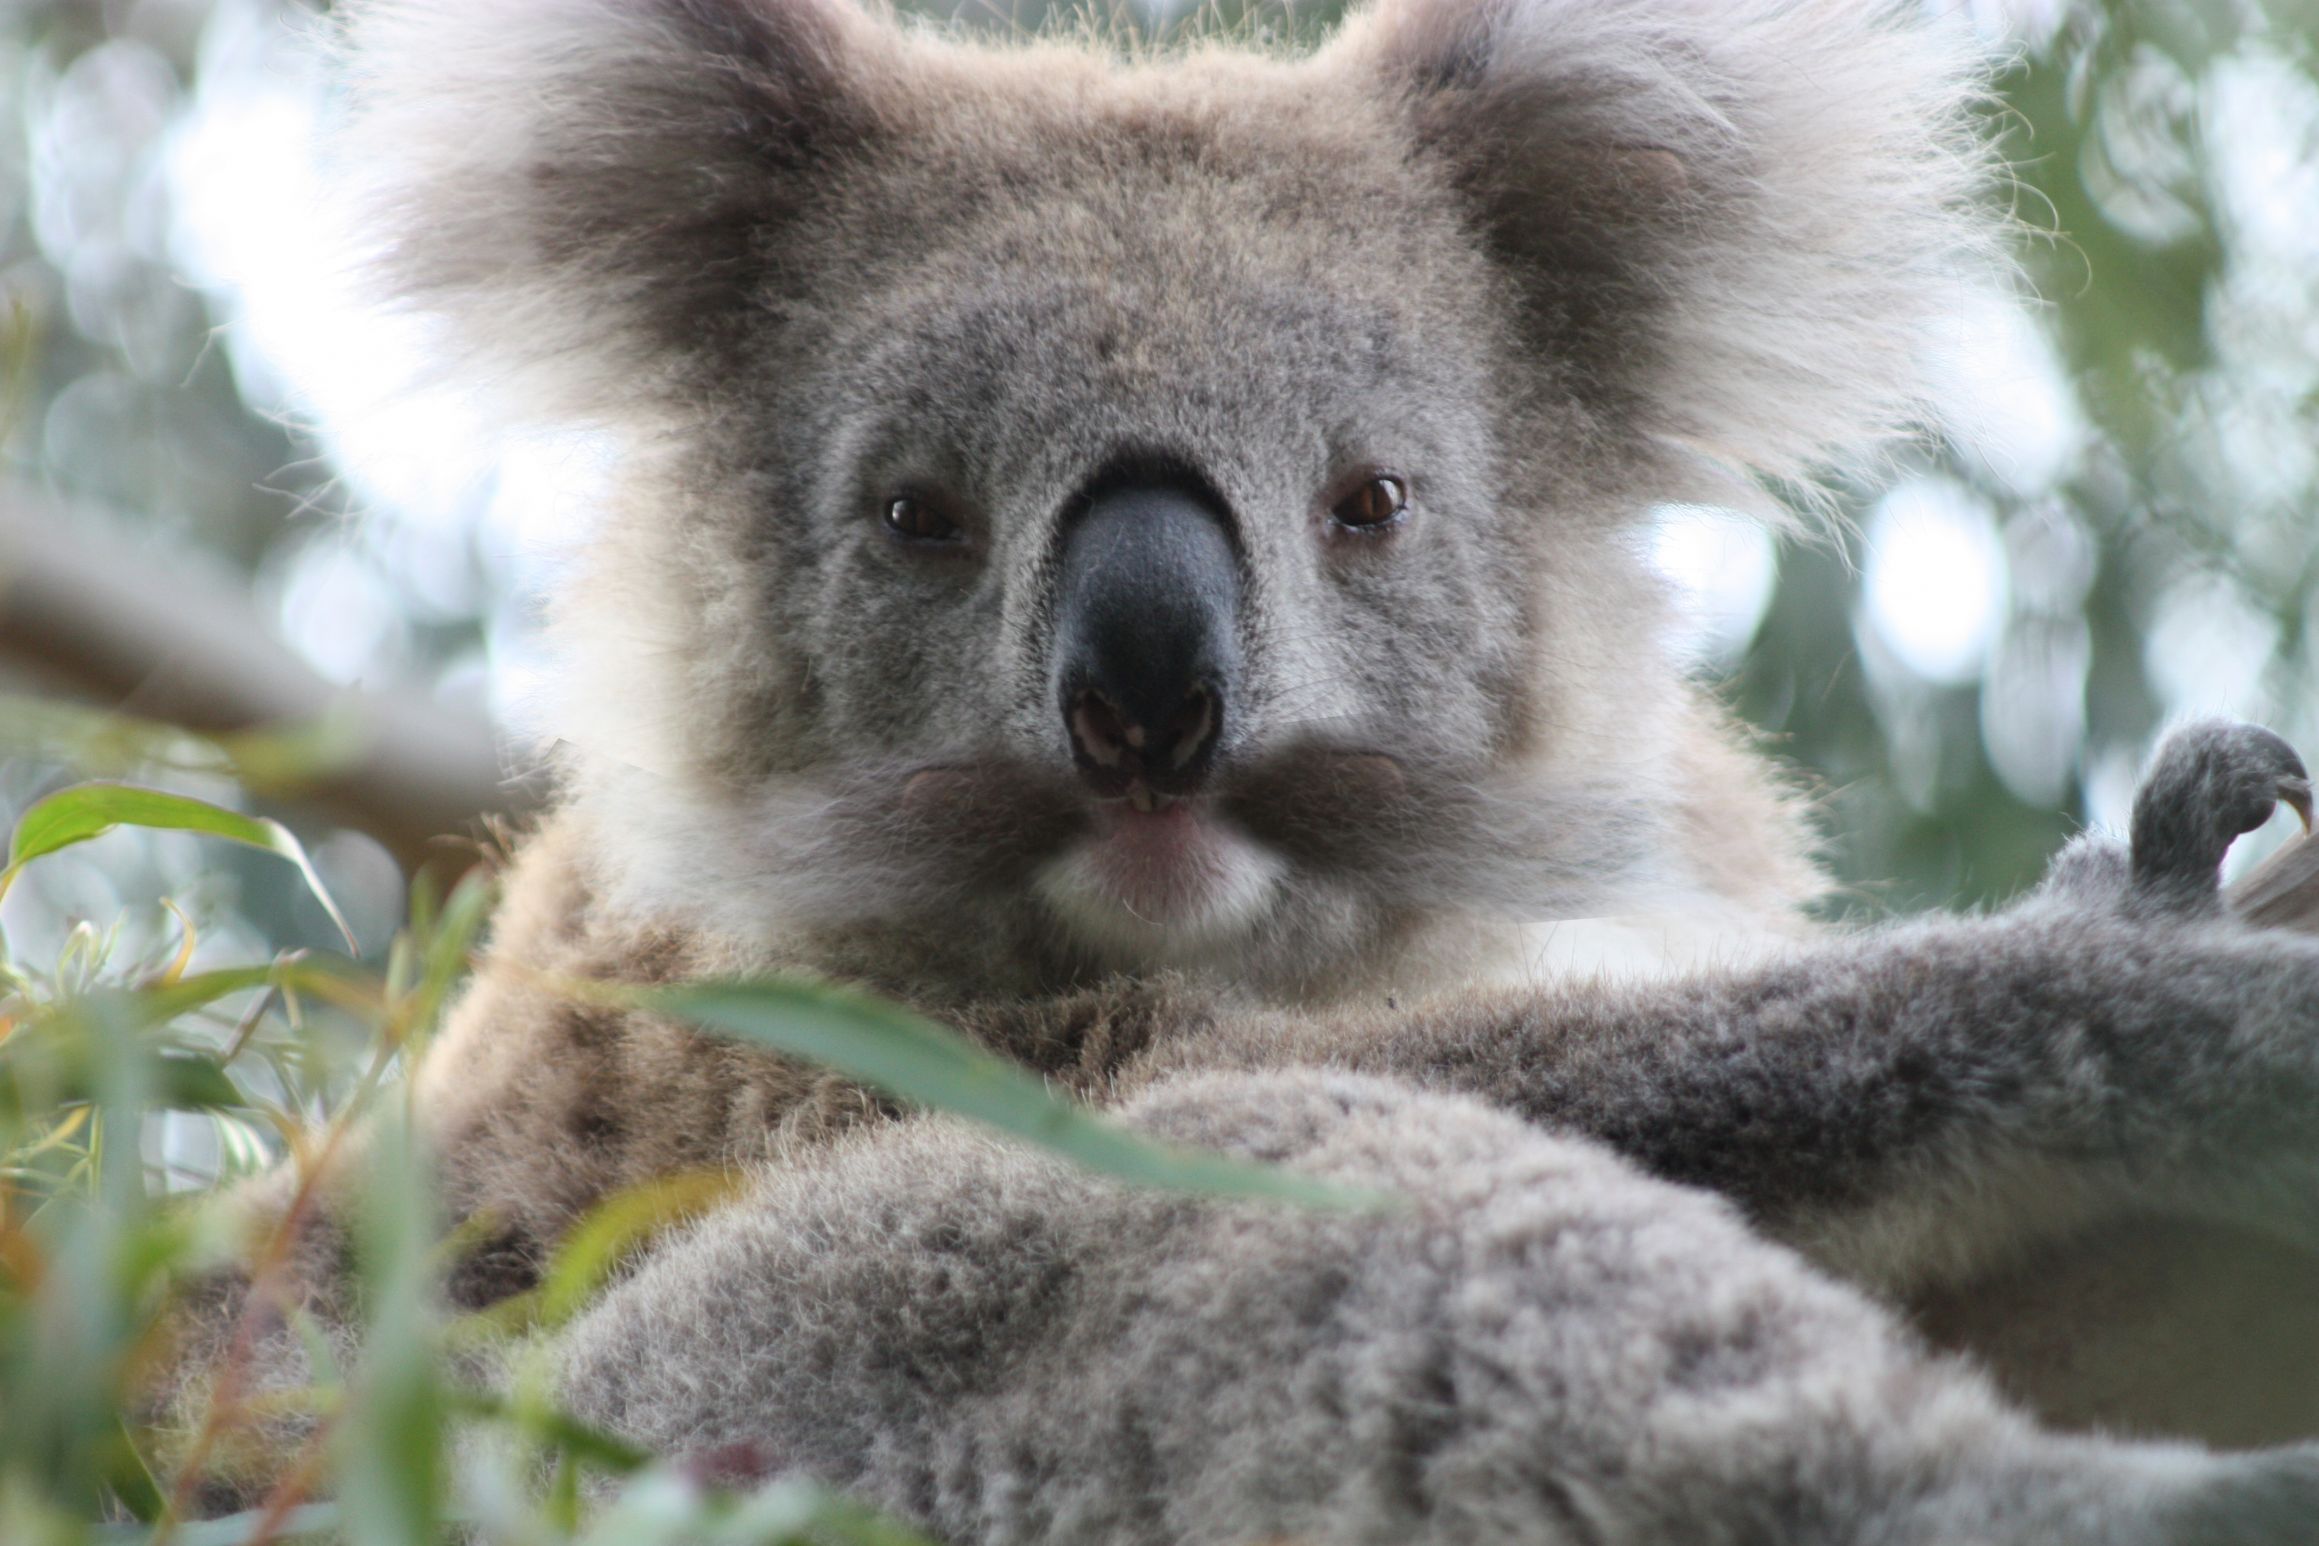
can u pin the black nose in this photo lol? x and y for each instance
(1147, 642)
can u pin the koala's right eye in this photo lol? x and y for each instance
(916, 519)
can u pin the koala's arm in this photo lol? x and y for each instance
(1908, 1103)
(1541, 1346)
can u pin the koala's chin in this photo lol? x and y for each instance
(1176, 885)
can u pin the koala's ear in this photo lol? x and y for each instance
(1741, 225)
(591, 193)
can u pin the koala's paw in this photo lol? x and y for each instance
(2212, 782)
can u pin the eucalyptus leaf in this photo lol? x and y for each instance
(160, 1003)
(566, 1432)
(86, 811)
(303, 1522)
(662, 1507)
(615, 1228)
(890, 1049)
(53, 1064)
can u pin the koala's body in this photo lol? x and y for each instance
(1138, 559)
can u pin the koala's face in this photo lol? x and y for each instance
(1183, 508)
(1135, 463)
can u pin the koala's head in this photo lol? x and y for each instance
(1178, 509)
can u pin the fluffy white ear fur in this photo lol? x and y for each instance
(1752, 221)
(1741, 223)
(590, 193)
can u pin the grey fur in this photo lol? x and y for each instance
(1546, 261)
(801, 258)
(1541, 1346)
(2213, 783)
(1546, 1344)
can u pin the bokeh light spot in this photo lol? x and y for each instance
(1722, 566)
(1936, 579)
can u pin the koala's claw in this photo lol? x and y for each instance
(2212, 782)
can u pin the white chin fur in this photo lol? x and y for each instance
(1211, 913)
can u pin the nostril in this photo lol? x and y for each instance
(1191, 727)
(1101, 731)
(1121, 748)
(1146, 648)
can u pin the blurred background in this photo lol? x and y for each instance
(2119, 530)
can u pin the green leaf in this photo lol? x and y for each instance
(612, 1231)
(303, 1522)
(802, 1512)
(55, 1057)
(128, 1476)
(162, 1002)
(888, 1048)
(87, 811)
(49, 1066)
(661, 1507)
(567, 1433)
(190, 1081)
(445, 948)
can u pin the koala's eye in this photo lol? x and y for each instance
(1373, 506)
(915, 519)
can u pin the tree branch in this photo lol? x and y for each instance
(2282, 892)
(113, 623)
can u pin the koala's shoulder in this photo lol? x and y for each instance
(541, 1103)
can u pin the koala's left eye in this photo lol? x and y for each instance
(1373, 506)
(916, 519)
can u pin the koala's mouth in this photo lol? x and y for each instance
(1360, 831)
(1396, 828)
(1175, 869)
(1316, 807)
(1151, 872)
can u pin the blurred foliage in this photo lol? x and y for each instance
(2168, 156)
(101, 1051)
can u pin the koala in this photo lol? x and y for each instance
(1548, 1341)
(982, 404)
(1135, 557)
